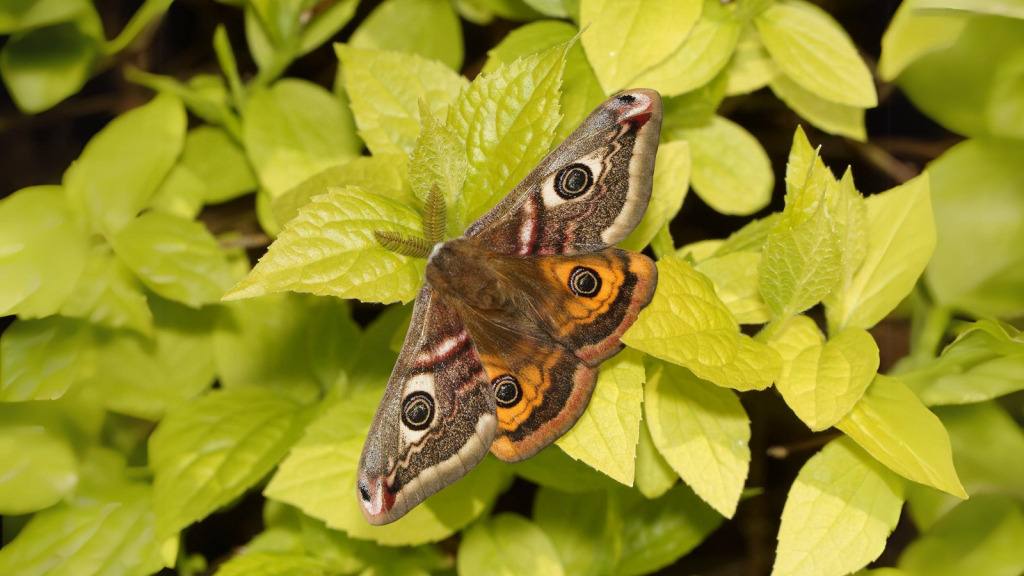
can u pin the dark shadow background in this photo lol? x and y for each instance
(37, 150)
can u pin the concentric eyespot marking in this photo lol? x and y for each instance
(507, 392)
(417, 411)
(574, 181)
(584, 282)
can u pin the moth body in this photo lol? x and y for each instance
(515, 316)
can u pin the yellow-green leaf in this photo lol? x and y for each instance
(485, 549)
(384, 88)
(605, 436)
(901, 239)
(654, 475)
(839, 513)
(329, 249)
(507, 121)
(439, 159)
(206, 453)
(45, 247)
(611, 42)
(735, 278)
(123, 165)
(834, 118)
(912, 34)
(108, 294)
(701, 57)
(702, 431)
(428, 28)
(41, 359)
(731, 171)
(176, 258)
(296, 129)
(751, 68)
(812, 49)
(896, 428)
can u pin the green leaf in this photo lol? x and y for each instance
(984, 362)
(485, 550)
(851, 219)
(214, 161)
(605, 436)
(204, 95)
(750, 238)
(175, 258)
(731, 171)
(585, 529)
(319, 476)
(704, 53)
(123, 165)
(428, 28)
(581, 91)
(38, 465)
(702, 431)
(693, 109)
(657, 533)
(43, 66)
(507, 120)
(272, 564)
(812, 49)
(327, 21)
(150, 10)
(611, 43)
(894, 427)
(838, 119)
(980, 536)
(800, 263)
(16, 17)
(912, 34)
(346, 555)
(734, 276)
(553, 468)
(1007, 8)
(751, 68)
(654, 476)
(145, 377)
(839, 513)
(671, 182)
(329, 249)
(981, 68)
(439, 159)
(45, 246)
(901, 238)
(41, 359)
(821, 381)
(988, 451)
(384, 88)
(293, 344)
(685, 323)
(384, 174)
(977, 196)
(108, 294)
(207, 452)
(688, 324)
(109, 537)
(294, 130)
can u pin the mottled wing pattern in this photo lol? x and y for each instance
(436, 420)
(588, 193)
(540, 388)
(584, 302)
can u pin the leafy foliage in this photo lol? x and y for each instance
(132, 299)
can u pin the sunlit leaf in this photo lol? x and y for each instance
(428, 28)
(484, 549)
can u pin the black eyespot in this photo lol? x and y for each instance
(573, 181)
(364, 491)
(584, 282)
(627, 98)
(507, 392)
(417, 411)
